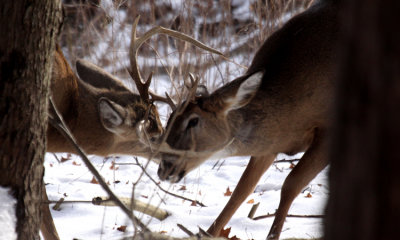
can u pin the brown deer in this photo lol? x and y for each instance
(103, 115)
(281, 105)
(101, 112)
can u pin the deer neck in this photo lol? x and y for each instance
(78, 107)
(244, 131)
(86, 126)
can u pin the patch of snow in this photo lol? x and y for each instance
(8, 219)
(207, 184)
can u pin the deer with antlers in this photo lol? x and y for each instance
(104, 116)
(280, 105)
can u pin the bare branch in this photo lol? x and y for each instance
(57, 122)
(139, 206)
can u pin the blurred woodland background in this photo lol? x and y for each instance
(100, 32)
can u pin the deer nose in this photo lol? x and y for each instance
(168, 170)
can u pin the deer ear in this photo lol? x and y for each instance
(112, 115)
(245, 92)
(97, 77)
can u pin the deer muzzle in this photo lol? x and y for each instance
(169, 170)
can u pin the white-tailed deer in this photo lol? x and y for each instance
(103, 115)
(281, 105)
(101, 112)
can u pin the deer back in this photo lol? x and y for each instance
(102, 114)
(274, 107)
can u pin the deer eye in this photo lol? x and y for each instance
(192, 122)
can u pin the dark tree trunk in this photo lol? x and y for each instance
(28, 32)
(365, 160)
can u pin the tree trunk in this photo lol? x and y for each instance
(365, 162)
(26, 46)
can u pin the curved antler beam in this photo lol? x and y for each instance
(136, 43)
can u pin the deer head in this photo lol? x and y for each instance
(103, 114)
(200, 128)
(134, 70)
(281, 105)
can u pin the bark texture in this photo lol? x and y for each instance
(26, 46)
(365, 163)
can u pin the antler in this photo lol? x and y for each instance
(167, 99)
(194, 81)
(143, 88)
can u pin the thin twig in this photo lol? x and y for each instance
(204, 232)
(285, 160)
(165, 191)
(57, 122)
(67, 201)
(55, 156)
(289, 215)
(216, 163)
(280, 170)
(187, 231)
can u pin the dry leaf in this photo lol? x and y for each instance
(113, 167)
(64, 159)
(193, 204)
(251, 201)
(183, 188)
(234, 238)
(227, 193)
(122, 228)
(75, 163)
(292, 166)
(225, 232)
(163, 232)
(51, 165)
(94, 181)
(308, 195)
(144, 196)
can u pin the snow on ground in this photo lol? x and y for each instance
(71, 180)
(8, 218)
(207, 184)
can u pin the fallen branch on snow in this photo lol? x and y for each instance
(139, 206)
(289, 215)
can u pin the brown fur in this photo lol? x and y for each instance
(288, 113)
(77, 102)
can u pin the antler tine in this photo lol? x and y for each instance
(167, 99)
(143, 88)
(137, 42)
(194, 82)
